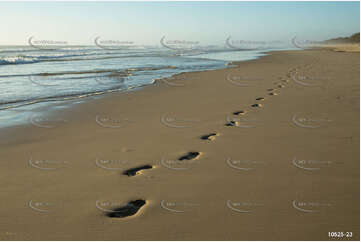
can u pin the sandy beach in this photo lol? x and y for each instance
(267, 149)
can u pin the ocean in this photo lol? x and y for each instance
(33, 79)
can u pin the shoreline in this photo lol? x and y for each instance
(233, 145)
(74, 100)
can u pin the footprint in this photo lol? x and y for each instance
(270, 90)
(256, 105)
(231, 123)
(281, 86)
(190, 156)
(128, 210)
(272, 94)
(241, 112)
(210, 136)
(134, 171)
(260, 99)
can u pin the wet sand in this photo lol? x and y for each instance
(265, 150)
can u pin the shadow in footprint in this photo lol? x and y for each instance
(190, 156)
(231, 123)
(134, 171)
(260, 99)
(210, 136)
(239, 112)
(256, 105)
(128, 210)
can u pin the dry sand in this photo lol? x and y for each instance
(343, 47)
(288, 170)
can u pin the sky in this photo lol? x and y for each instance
(147, 22)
